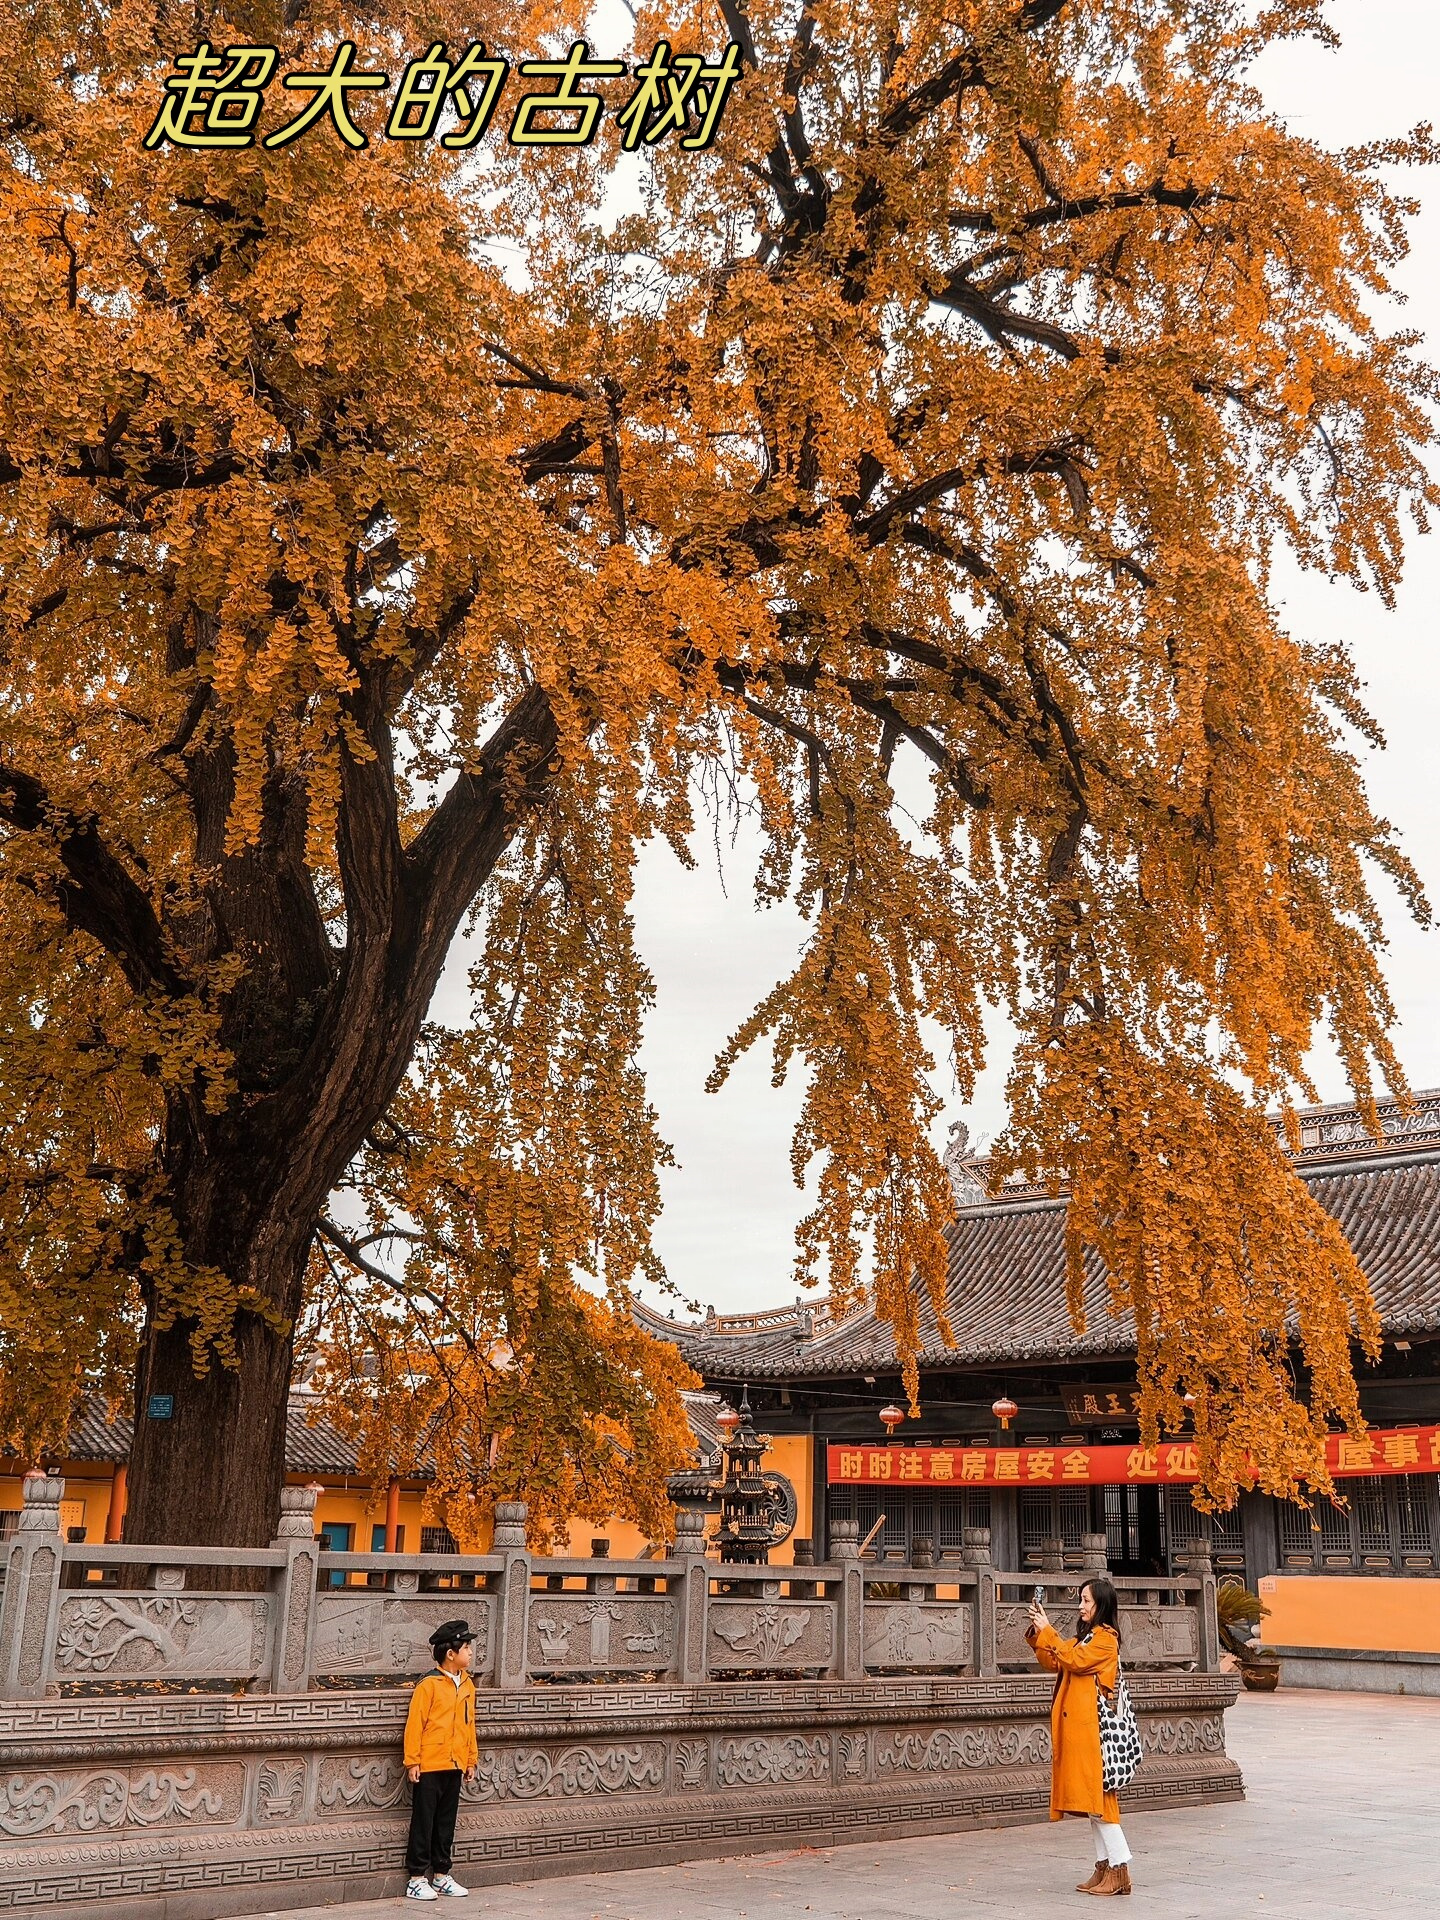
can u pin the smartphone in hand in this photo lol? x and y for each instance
(1037, 1598)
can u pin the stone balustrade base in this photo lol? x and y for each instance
(188, 1808)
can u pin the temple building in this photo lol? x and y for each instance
(1066, 1462)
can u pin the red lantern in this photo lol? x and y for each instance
(1004, 1410)
(727, 1420)
(891, 1417)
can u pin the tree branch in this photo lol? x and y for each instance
(457, 849)
(327, 1231)
(98, 894)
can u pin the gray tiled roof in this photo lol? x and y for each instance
(1006, 1290)
(318, 1448)
(700, 1411)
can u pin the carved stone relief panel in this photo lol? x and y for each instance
(1202, 1734)
(550, 1773)
(174, 1635)
(953, 1749)
(852, 1756)
(113, 1798)
(1010, 1623)
(747, 1634)
(360, 1632)
(691, 1765)
(279, 1790)
(600, 1632)
(767, 1762)
(916, 1634)
(1149, 1635)
(353, 1783)
(1159, 1633)
(1011, 1645)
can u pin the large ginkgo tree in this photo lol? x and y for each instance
(394, 538)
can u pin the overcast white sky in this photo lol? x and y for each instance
(730, 1206)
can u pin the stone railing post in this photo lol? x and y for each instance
(692, 1597)
(32, 1589)
(600, 1582)
(975, 1553)
(922, 1556)
(1195, 1561)
(987, 1592)
(1094, 1553)
(293, 1587)
(512, 1601)
(849, 1602)
(803, 1552)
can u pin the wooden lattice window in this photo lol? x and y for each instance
(1388, 1523)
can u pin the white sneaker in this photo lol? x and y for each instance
(445, 1884)
(420, 1890)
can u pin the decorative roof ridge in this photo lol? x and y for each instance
(1331, 1137)
(806, 1319)
(771, 1319)
(1370, 1158)
(1032, 1197)
(1374, 1159)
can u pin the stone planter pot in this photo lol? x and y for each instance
(1260, 1676)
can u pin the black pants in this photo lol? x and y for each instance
(434, 1803)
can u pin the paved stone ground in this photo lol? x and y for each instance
(1342, 1820)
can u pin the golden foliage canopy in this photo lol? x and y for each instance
(395, 536)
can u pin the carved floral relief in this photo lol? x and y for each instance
(352, 1784)
(173, 1634)
(772, 1762)
(107, 1799)
(770, 1636)
(538, 1773)
(946, 1750)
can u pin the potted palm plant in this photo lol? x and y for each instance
(1239, 1613)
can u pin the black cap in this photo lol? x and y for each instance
(450, 1633)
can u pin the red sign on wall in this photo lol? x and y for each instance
(1393, 1450)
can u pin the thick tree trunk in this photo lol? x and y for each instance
(209, 1473)
(321, 1040)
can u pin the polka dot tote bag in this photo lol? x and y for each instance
(1119, 1737)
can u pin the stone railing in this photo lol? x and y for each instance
(292, 1618)
(188, 1732)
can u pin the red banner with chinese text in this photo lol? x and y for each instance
(1392, 1450)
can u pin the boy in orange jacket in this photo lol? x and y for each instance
(439, 1747)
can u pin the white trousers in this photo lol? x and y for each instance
(1109, 1841)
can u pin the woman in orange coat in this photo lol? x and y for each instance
(1082, 1667)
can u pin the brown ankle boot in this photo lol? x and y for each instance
(1114, 1880)
(1088, 1886)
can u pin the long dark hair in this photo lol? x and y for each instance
(1107, 1605)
